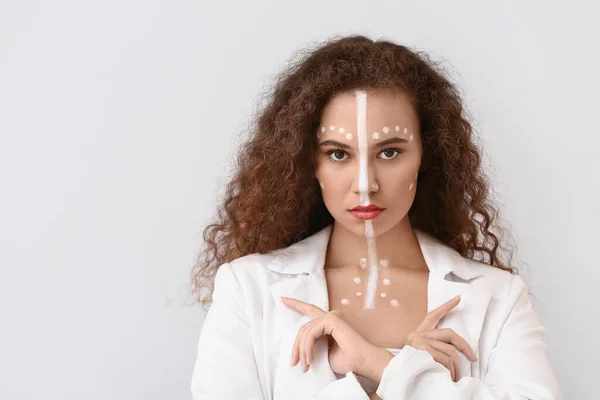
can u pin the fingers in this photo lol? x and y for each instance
(296, 346)
(448, 335)
(313, 332)
(443, 359)
(298, 350)
(434, 316)
(308, 309)
(422, 342)
(303, 348)
(450, 351)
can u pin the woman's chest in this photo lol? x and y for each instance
(400, 303)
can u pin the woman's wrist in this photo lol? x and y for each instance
(375, 365)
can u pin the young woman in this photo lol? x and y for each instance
(353, 256)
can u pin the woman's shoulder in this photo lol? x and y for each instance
(499, 283)
(249, 270)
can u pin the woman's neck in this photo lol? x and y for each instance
(396, 248)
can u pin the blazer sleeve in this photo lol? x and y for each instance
(518, 367)
(225, 366)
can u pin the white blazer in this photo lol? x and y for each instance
(246, 340)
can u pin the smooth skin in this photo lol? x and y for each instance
(349, 351)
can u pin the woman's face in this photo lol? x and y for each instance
(369, 153)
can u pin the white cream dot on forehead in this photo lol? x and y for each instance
(394, 303)
(385, 129)
(386, 282)
(397, 128)
(342, 130)
(331, 127)
(356, 280)
(323, 129)
(383, 263)
(363, 263)
(383, 294)
(349, 136)
(375, 135)
(345, 302)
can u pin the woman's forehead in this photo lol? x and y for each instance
(382, 108)
(386, 111)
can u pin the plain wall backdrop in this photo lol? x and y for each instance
(118, 120)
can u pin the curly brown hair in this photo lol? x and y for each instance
(274, 199)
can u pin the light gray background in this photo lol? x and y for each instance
(117, 119)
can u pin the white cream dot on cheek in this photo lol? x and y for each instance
(385, 129)
(322, 186)
(342, 130)
(383, 263)
(397, 128)
(345, 302)
(386, 282)
(349, 136)
(356, 280)
(383, 294)
(359, 294)
(394, 303)
(411, 137)
(410, 186)
(363, 263)
(375, 135)
(405, 131)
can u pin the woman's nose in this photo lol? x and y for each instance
(364, 180)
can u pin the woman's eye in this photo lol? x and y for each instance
(390, 154)
(337, 155)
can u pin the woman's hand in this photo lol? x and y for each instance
(348, 349)
(441, 343)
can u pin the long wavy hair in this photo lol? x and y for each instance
(273, 199)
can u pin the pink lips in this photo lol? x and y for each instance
(366, 212)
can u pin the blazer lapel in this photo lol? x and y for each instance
(304, 279)
(302, 263)
(449, 276)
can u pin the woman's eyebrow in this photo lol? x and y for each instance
(335, 143)
(390, 141)
(378, 144)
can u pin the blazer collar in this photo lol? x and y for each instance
(302, 264)
(308, 256)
